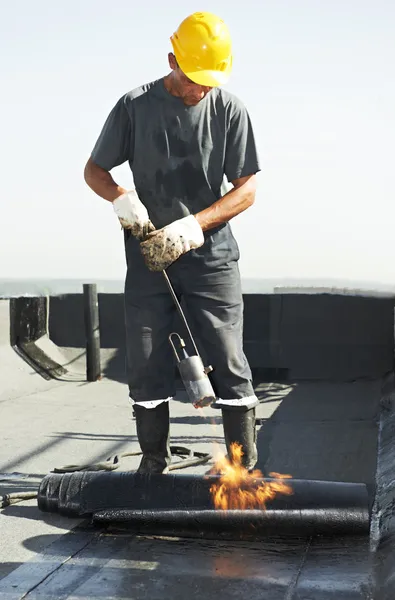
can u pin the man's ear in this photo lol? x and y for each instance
(172, 61)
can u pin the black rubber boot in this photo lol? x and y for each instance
(152, 425)
(239, 426)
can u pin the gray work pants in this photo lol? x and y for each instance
(213, 298)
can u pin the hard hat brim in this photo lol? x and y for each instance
(208, 78)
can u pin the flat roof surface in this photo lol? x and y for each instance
(310, 430)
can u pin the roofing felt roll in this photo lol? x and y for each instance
(183, 505)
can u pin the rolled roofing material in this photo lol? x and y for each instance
(182, 505)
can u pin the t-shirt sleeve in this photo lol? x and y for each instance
(113, 146)
(241, 155)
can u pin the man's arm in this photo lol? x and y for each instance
(237, 200)
(101, 182)
(166, 245)
(111, 150)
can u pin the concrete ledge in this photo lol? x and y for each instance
(316, 337)
(383, 525)
(320, 336)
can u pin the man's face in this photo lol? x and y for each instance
(191, 93)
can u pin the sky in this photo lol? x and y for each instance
(316, 77)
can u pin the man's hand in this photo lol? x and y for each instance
(133, 215)
(164, 246)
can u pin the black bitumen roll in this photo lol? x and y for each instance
(183, 504)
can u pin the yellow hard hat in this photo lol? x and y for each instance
(203, 49)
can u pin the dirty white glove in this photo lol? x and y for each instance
(132, 214)
(164, 246)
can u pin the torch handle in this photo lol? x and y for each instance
(179, 309)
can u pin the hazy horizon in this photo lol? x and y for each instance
(57, 286)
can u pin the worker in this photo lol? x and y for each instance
(185, 138)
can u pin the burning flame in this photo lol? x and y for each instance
(238, 489)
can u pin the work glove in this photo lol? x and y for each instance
(133, 215)
(164, 246)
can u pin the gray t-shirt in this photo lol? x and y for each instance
(178, 154)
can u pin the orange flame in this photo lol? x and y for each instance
(238, 489)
